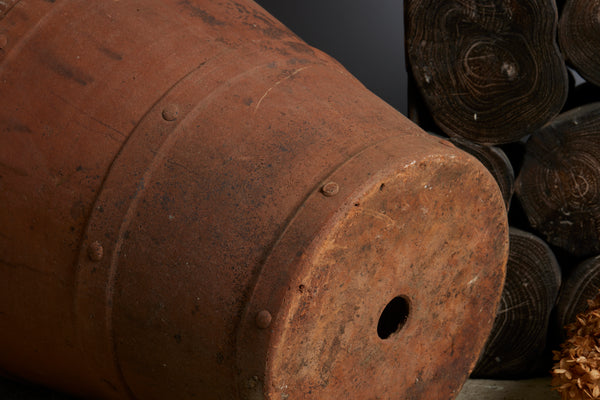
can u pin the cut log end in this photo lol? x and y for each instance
(517, 342)
(582, 284)
(579, 37)
(491, 73)
(559, 183)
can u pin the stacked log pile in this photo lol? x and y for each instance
(517, 84)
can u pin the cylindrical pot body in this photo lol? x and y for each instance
(194, 203)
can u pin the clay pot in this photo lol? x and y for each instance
(194, 203)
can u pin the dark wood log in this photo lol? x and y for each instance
(559, 182)
(582, 284)
(516, 347)
(579, 37)
(490, 71)
(496, 161)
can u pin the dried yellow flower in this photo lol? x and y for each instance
(576, 375)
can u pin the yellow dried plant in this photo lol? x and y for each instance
(576, 375)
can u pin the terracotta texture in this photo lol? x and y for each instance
(194, 203)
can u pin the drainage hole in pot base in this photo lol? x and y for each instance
(393, 317)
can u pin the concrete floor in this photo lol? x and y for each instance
(529, 389)
(476, 389)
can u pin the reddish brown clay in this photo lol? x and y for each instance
(196, 204)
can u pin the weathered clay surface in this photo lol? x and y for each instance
(196, 204)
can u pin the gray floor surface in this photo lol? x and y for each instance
(474, 389)
(529, 389)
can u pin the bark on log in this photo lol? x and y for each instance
(490, 71)
(516, 345)
(496, 161)
(579, 37)
(559, 182)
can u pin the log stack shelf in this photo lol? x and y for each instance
(517, 84)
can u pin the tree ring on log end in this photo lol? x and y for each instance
(579, 37)
(559, 182)
(489, 71)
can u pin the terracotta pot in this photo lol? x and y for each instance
(196, 204)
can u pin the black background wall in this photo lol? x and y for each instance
(366, 36)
